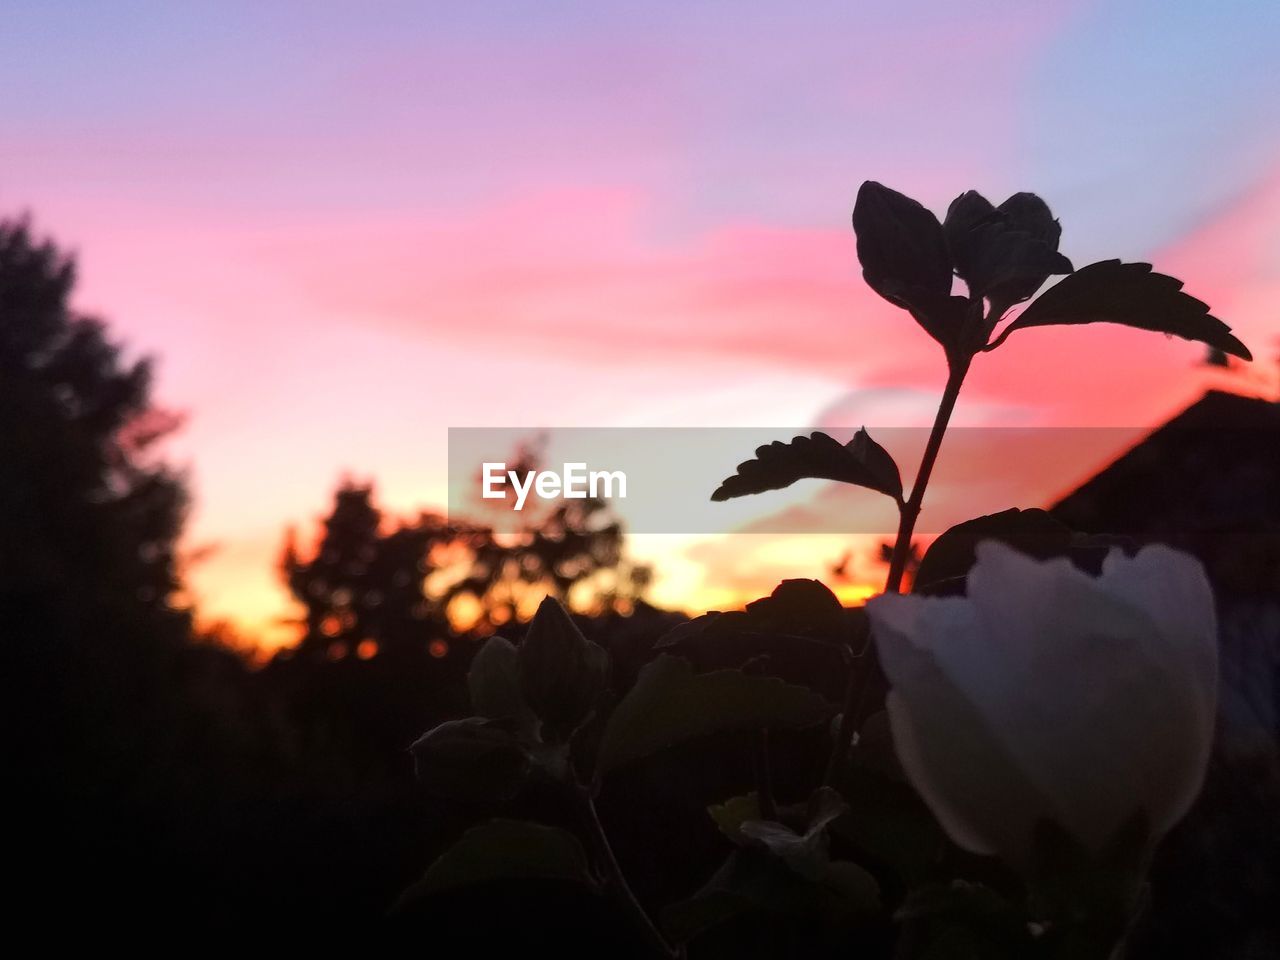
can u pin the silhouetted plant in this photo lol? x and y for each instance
(859, 850)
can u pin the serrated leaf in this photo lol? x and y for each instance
(670, 703)
(504, 850)
(861, 462)
(1132, 295)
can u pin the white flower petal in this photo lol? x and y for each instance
(1171, 588)
(976, 791)
(1107, 732)
(1027, 604)
(1069, 646)
(946, 745)
(948, 630)
(1050, 693)
(915, 624)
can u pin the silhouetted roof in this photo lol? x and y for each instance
(1214, 466)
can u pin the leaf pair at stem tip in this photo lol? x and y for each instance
(1004, 254)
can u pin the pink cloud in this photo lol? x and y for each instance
(585, 272)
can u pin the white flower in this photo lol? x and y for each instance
(1048, 693)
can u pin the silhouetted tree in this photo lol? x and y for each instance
(88, 519)
(368, 590)
(128, 740)
(562, 546)
(362, 587)
(389, 610)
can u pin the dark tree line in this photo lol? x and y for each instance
(154, 777)
(130, 742)
(369, 587)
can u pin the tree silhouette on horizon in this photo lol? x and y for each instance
(370, 587)
(133, 743)
(87, 512)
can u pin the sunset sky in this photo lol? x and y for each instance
(343, 231)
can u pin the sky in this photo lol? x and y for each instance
(343, 230)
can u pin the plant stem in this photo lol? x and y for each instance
(860, 680)
(911, 508)
(616, 882)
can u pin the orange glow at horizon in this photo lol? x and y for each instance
(856, 594)
(343, 238)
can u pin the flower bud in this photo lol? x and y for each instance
(562, 673)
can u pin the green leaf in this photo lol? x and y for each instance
(494, 681)
(805, 853)
(473, 759)
(562, 673)
(1132, 295)
(504, 850)
(730, 815)
(670, 703)
(861, 462)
